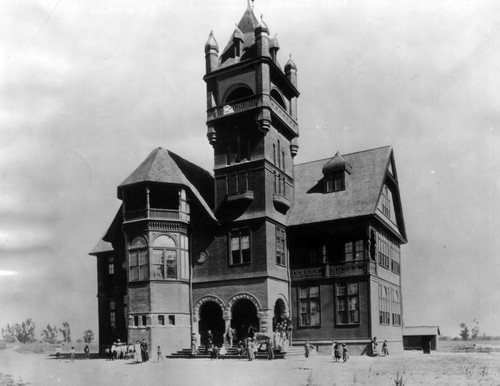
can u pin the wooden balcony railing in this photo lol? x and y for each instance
(346, 268)
(157, 214)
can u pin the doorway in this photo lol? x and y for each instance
(244, 315)
(211, 319)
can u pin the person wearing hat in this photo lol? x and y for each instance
(345, 352)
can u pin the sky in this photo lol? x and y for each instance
(88, 88)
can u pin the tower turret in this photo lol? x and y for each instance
(211, 53)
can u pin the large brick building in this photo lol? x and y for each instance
(261, 240)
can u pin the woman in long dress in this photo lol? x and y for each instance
(250, 349)
(137, 349)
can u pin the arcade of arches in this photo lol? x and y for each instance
(243, 314)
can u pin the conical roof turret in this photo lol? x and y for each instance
(290, 65)
(211, 43)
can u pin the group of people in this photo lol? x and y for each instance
(247, 347)
(340, 352)
(374, 348)
(121, 350)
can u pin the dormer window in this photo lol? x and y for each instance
(334, 182)
(334, 174)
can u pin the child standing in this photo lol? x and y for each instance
(159, 358)
(72, 352)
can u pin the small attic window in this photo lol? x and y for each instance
(334, 172)
(335, 182)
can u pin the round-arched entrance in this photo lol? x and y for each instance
(244, 315)
(280, 314)
(211, 319)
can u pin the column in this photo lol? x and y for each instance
(265, 321)
(226, 315)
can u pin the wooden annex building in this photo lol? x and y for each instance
(261, 240)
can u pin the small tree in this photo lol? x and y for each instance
(9, 334)
(50, 334)
(25, 332)
(66, 332)
(88, 336)
(465, 331)
(475, 329)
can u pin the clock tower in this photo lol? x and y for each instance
(252, 127)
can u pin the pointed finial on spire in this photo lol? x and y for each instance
(263, 24)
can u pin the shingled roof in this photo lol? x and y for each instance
(360, 197)
(163, 166)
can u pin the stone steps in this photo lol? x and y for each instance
(232, 353)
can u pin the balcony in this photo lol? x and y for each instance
(346, 268)
(233, 108)
(243, 196)
(250, 103)
(156, 214)
(284, 116)
(281, 203)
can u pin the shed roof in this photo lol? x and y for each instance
(360, 197)
(421, 330)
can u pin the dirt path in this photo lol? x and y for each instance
(415, 368)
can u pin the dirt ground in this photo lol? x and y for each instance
(438, 368)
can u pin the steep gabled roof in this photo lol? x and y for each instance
(361, 195)
(163, 166)
(105, 243)
(101, 246)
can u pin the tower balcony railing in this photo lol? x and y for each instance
(284, 116)
(249, 103)
(238, 106)
(156, 214)
(345, 268)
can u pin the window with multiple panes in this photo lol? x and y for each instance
(161, 320)
(354, 250)
(347, 303)
(279, 184)
(138, 260)
(171, 320)
(383, 247)
(395, 258)
(164, 262)
(280, 246)
(396, 307)
(136, 320)
(335, 182)
(386, 202)
(384, 305)
(309, 306)
(240, 246)
(111, 265)
(112, 315)
(144, 320)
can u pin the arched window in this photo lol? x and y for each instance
(164, 258)
(138, 259)
(239, 93)
(170, 258)
(278, 98)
